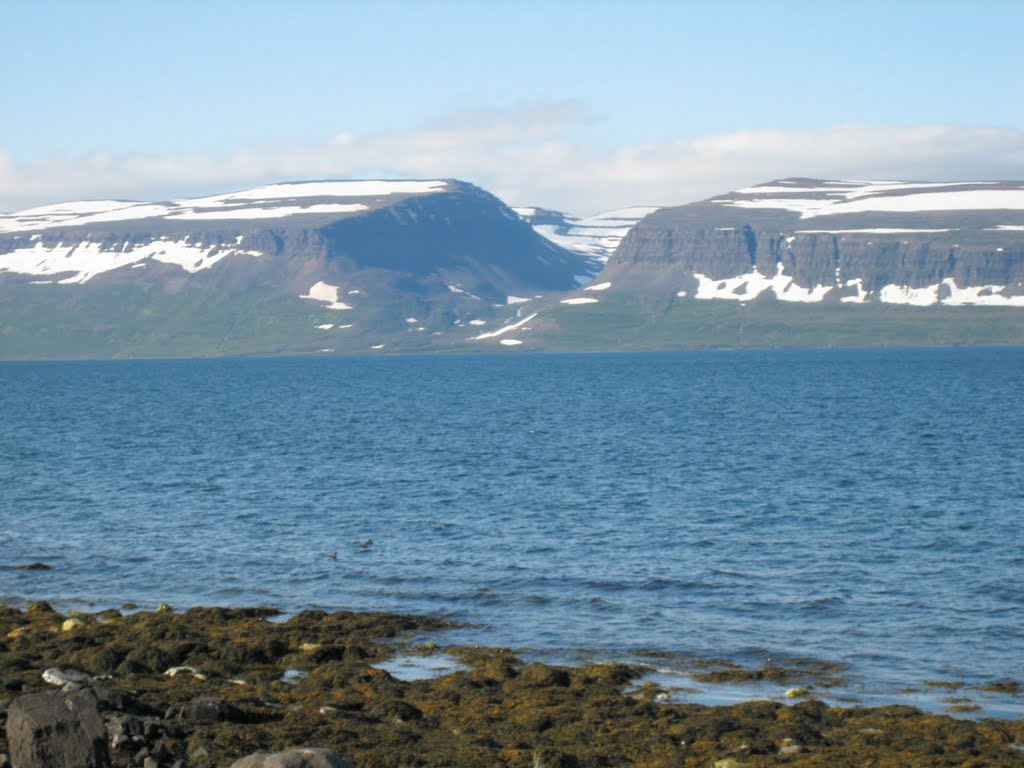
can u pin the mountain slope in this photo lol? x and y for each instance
(333, 265)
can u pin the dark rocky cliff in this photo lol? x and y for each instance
(721, 239)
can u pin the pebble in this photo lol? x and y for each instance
(71, 624)
(61, 677)
(789, 747)
(175, 671)
(797, 693)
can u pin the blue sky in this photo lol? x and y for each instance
(580, 106)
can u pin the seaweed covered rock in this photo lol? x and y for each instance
(57, 730)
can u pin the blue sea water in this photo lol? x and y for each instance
(853, 506)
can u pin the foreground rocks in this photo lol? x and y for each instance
(210, 688)
(57, 729)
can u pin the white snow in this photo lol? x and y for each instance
(270, 201)
(510, 342)
(581, 300)
(879, 231)
(324, 292)
(266, 213)
(598, 287)
(88, 259)
(326, 326)
(1008, 228)
(478, 322)
(859, 197)
(752, 285)
(377, 346)
(903, 294)
(597, 236)
(505, 329)
(862, 295)
(982, 295)
(411, 320)
(351, 188)
(515, 300)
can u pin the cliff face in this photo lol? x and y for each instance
(835, 241)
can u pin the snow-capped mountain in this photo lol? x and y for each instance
(811, 241)
(371, 258)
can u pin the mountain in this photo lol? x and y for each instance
(801, 262)
(441, 265)
(296, 267)
(811, 241)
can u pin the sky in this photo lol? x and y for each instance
(578, 106)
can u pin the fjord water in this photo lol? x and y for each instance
(857, 506)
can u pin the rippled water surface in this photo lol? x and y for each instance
(854, 506)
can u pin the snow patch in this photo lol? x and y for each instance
(879, 231)
(750, 286)
(859, 197)
(326, 326)
(510, 342)
(515, 300)
(862, 295)
(88, 259)
(266, 213)
(917, 297)
(581, 300)
(505, 329)
(324, 292)
(598, 287)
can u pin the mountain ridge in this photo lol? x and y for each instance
(331, 267)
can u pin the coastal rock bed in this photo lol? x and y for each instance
(210, 685)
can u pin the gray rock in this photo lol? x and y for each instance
(57, 730)
(294, 758)
(206, 709)
(61, 677)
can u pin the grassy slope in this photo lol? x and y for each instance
(633, 323)
(129, 321)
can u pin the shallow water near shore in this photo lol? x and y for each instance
(857, 507)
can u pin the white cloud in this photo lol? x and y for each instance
(533, 154)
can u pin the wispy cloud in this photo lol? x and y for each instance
(533, 154)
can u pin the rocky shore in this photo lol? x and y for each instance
(212, 686)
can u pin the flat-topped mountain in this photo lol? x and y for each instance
(422, 227)
(283, 267)
(809, 240)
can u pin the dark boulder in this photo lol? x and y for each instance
(57, 730)
(206, 710)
